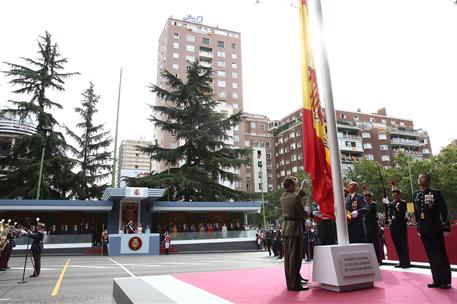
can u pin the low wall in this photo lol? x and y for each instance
(416, 248)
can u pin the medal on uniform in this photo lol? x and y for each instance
(422, 215)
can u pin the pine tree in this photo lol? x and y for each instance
(204, 158)
(36, 78)
(92, 157)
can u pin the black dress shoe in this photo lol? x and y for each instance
(445, 286)
(301, 288)
(433, 285)
(304, 280)
(397, 266)
(406, 266)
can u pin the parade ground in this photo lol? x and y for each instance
(249, 277)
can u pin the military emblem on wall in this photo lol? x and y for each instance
(135, 243)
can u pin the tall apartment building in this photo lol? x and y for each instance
(375, 136)
(182, 42)
(132, 163)
(260, 175)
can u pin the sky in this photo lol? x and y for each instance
(398, 54)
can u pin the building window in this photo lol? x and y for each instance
(175, 45)
(190, 58)
(248, 186)
(385, 158)
(372, 119)
(205, 41)
(190, 38)
(233, 56)
(268, 156)
(292, 146)
(383, 121)
(176, 55)
(221, 53)
(293, 157)
(222, 94)
(367, 146)
(382, 136)
(220, 44)
(175, 66)
(402, 124)
(247, 143)
(253, 125)
(221, 64)
(366, 135)
(190, 48)
(235, 85)
(343, 116)
(236, 138)
(235, 95)
(237, 127)
(220, 73)
(234, 65)
(136, 166)
(234, 75)
(176, 35)
(383, 147)
(235, 106)
(283, 173)
(369, 156)
(221, 83)
(426, 151)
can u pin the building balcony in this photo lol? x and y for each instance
(206, 54)
(351, 149)
(346, 125)
(404, 132)
(413, 154)
(205, 64)
(405, 142)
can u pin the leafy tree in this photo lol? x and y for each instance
(90, 153)
(35, 79)
(204, 158)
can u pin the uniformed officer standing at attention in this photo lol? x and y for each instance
(293, 212)
(356, 207)
(372, 225)
(37, 248)
(432, 225)
(398, 226)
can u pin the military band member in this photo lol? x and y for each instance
(37, 247)
(356, 207)
(433, 224)
(398, 226)
(372, 225)
(293, 212)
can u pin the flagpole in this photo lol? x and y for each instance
(341, 224)
(113, 177)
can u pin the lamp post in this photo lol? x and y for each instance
(409, 171)
(260, 165)
(40, 174)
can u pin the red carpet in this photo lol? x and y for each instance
(267, 285)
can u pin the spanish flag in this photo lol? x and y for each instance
(315, 145)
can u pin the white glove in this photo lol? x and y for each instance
(418, 234)
(445, 233)
(386, 201)
(307, 209)
(354, 214)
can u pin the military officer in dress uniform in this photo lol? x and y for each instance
(432, 225)
(356, 207)
(372, 225)
(398, 226)
(293, 212)
(37, 247)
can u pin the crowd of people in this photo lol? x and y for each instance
(305, 227)
(202, 227)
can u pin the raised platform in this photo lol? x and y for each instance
(267, 285)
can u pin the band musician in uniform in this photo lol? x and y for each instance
(398, 226)
(37, 247)
(293, 213)
(356, 207)
(433, 225)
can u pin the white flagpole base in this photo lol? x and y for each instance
(345, 268)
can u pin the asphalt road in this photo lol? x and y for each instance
(89, 279)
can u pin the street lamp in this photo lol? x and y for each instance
(409, 170)
(260, 165)
(43, 148)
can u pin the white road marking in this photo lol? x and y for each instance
(188, 293)
(90, 266)
(120, 265)
(5, 299)
(143, 265)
